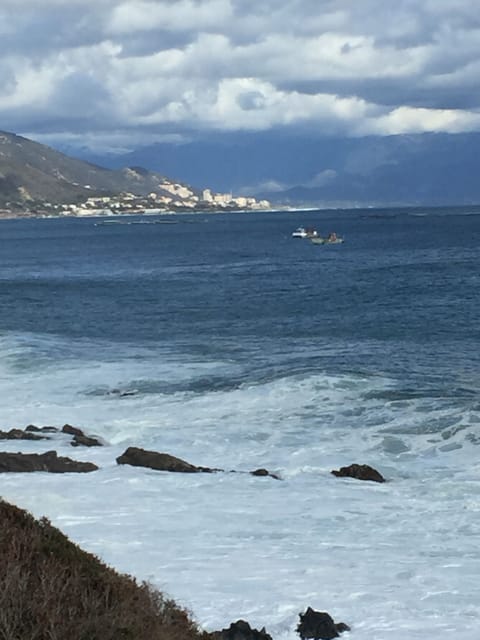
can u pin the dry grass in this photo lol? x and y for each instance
(52, 590)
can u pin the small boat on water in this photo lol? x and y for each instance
(332, 238)
(301, 232)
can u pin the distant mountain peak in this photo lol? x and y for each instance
(303, 169)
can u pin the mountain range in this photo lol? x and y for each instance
(303, 169)
(292, 169)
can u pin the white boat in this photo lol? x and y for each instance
(301, 232)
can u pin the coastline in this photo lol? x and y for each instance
(107, 213)
(225, 344)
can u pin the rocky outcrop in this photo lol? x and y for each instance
(32, 432)
(240, 630)
(72, 431)
(165, 462)
(18, 434)
(49, 461)
(85, 441)
(360, 472)
(264, 473)
(79, 438)
(159, 461)
(35, 429)
(319, 625)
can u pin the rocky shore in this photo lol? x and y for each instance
(134, 456)
(137, 611)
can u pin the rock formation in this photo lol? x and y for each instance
(49, 461)
(159, 461)
(319, 625)
(240, 630)
(359, 471)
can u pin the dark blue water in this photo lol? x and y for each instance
(400, 296)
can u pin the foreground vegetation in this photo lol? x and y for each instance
(50, 589)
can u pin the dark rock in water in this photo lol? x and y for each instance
(49, 461)
(79, 438)
(359, 471)
(72, 431)
(18, 434)
(264, 472)
(240, 630)
(159, 461)
(319, 625)
(35, 429)
(32, 433)
(85, 441)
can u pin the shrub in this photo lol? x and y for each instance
(50, 589)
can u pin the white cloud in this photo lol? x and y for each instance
(411, 120)
(331, 56)
(250, 104)
(170, 66)
(33, 85)
(180, 15)
(38, 81)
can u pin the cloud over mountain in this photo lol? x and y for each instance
(118, 73)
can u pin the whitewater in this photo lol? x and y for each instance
(223, 341)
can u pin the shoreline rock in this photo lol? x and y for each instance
(137, 457)
(80, 439)
(19, 434)
(240, 630)
(49, 461)
(319, 625)
(32, 432)
(158, 461)
(35, 429)
(264, 473)
(360, 472)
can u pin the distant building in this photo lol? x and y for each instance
(222, 198)
(240, 201)
(178, 190)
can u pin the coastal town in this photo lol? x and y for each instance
(38, 181)
(172, 197)
(177, 198)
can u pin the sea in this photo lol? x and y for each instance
(222, 340)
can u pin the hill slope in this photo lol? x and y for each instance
(50, 589)
(32, 171)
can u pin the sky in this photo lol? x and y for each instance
(115, 74)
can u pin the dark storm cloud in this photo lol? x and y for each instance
(115, 69)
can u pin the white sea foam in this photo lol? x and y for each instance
(394, 561)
